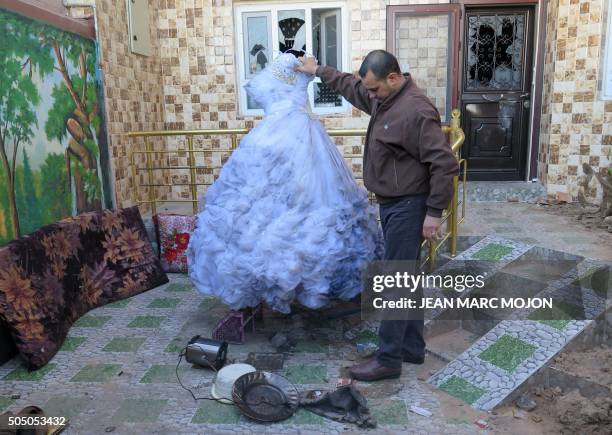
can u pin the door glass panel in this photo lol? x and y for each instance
(291, 31)
(423, 48)
(495, 48)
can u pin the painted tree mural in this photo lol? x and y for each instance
(18, 96)
(49, 110)
(75, 113)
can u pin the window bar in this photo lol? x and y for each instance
(476, 83)
(493, 72)
(274, 32)
(310, 90)
(308, 24)
(514, 51)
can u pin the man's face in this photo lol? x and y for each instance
(380, 89)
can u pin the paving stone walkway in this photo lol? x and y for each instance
(536, 225)
(513, 348)
(116, 371)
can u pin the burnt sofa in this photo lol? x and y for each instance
(53, 276)
(7, 347)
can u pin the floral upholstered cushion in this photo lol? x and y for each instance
(55, 275)
(173, 233)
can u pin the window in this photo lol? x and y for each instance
(266, 30)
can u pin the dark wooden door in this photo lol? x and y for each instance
(495, 98)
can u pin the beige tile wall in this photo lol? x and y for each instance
(133, 92)
(199, 80)
(197, 56)
(423, 45)
(550, 48)
(576, 123)
(189, 83)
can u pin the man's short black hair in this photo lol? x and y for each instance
(381, 63)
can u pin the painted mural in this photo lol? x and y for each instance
(53, 150)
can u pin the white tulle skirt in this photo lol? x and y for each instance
(284, 221)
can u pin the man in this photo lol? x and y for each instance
(409, 166)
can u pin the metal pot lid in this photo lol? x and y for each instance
(265, 396)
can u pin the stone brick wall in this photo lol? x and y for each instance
(197, 57)
(423, 45)
(199, 79)
(576, 123)
(550, 49)
(133, 92)
(189, 82)
(576, 126)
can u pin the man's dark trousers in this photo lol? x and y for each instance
(402, 225)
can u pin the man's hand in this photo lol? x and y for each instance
(431, 228)
(308, 65)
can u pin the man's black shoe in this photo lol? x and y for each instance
(414, 359)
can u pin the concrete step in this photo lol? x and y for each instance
(447, 346)
(503, 191)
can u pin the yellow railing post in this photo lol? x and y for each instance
(454, 226)
(432, 255)
(192, 175)
(455, 125)
(135, 178)
(149, 150)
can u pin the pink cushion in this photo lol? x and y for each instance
(173, 233)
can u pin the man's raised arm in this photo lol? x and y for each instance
(347, 85)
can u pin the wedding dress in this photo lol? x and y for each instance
(285, 220)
